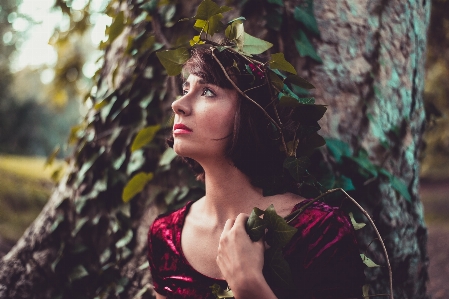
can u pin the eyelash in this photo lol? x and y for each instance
(206, 89)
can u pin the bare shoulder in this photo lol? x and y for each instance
(284, 203)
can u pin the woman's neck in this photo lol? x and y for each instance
(228, 191)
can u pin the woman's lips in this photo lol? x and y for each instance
(181, 129)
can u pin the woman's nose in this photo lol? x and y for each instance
(180, 106)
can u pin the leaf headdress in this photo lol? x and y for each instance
(277, 76)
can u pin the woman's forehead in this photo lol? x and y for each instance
(193, 79)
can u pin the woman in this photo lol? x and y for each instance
(230, 144)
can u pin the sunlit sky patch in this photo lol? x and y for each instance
(35, 50)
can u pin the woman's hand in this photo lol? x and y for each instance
(241, 260)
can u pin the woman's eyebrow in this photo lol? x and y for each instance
(186, 84)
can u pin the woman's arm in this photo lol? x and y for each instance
(241, 261)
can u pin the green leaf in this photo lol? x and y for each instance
(78, 272)
(309, 114)
(365, 290)
(315, 140)
(219, 293)
(277, 61)
(345, 183)
(116, 27)
(236, 19)
(307, 101)
(289, 92)
(306, 17)
(235, 32)
(173, 60)
(296, 166)
(147, 44)
(397, 184)
(287, 101)
(212, 25)
(255, 226)
(59, 256)
(56, 222)
(401, 187)
(356, 225)
(254, 45)
(274, 19)
(208, 8)
(196, 40)
(79, 225)
(145, 136)
(277, 82)
(278, 2)
(367, 261)
(298, 81)
(171, 195)
(304, 47)
(279, 231)
(51, 158)
(125, 239)
(338, 148)
(225, 294)
(364, 162)
(167, 157)
(145, 265)
(135, 185)
(105, 256)
(279, 270)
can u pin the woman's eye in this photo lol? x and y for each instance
(208, 93)
(185, 91)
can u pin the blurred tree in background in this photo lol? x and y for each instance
(90, 240)
(436, 96)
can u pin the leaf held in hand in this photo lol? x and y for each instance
(279, 269)
(279, 231)
(255, 226)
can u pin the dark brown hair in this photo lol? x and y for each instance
(255, 148)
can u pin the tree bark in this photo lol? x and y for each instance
(372, 79)
(87, 243)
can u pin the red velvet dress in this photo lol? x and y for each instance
(323, 257)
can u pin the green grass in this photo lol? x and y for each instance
(25, 186)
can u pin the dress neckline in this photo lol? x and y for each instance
(184, 213)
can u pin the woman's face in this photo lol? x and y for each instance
(204, 119)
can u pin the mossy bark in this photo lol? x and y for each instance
(371, 79)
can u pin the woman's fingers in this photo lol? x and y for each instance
(228, 225)
(241, 219)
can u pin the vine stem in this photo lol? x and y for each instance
(295, 214)
(240, 91)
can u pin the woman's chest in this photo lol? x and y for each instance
(200, 246)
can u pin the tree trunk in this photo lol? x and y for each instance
(87, 243)
(372, 78)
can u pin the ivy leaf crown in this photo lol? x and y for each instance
(277, 73)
